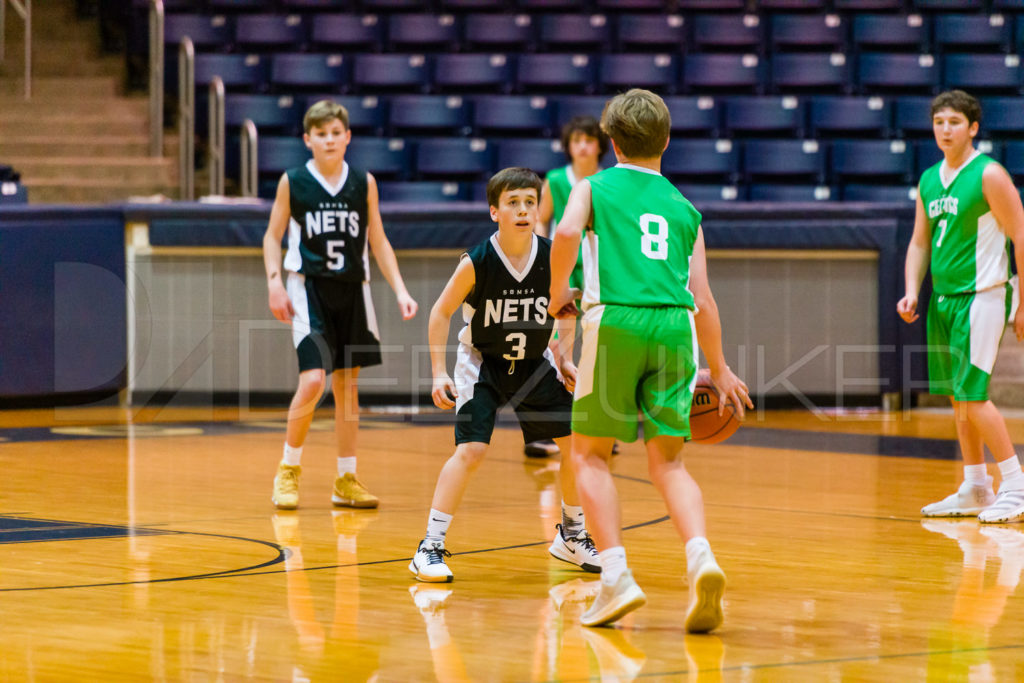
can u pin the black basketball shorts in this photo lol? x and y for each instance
(334, 326)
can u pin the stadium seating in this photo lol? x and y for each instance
(556, 72)
(722, 72)
(214, 32)
(650, 32)
(853, 192)
(879, 72)
(973, 32)
(818, 71)
(357, 32)
(454, 158)
(1013, 159)
(537, 154)
(706, 160)
(847, 116)
(795, 160)
(658, 72)
(512, 114)
(374, 73)
(891, 32)
(274, 155)
(766, 116)
(912, 117)
(699, 192)
(873, 160)
(274, 114)
(729, 32)
(982, 73)
(808, 31)
(423, 191)
(693, 116)
(473, 72)
(436, 114)
(303, 71)
(387, 159)
(499, 32)
(1003, 116)
(270, 32)
(778, 192)
(410, 32)
(241, 72)
(574, 32)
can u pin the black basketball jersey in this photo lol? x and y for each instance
(327, 230)
(506, 313)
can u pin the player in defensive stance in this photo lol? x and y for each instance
(967, 210)
(646, 306)
(505, 355)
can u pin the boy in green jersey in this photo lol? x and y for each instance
(967, 209)
(584, 143)
(647, 305)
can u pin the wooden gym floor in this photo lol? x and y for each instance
(142, 545)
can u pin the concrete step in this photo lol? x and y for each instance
(43, 104)
(69, 127)
(91, 191)
(69, 88)
(89, 145)
(147, 170)
(94, 66)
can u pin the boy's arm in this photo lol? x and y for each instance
(709, 334)
(1003, 199)
(280, 213)
(383, 254)
(561, 347)
(455, 292)
(545, 210)
(918, 256)
(565, 249)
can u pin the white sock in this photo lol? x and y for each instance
(695, 547)
(572, 520)
(346, 466)
(437, 526)
(613, 563)
(977, 475)
(1013, 477)
(292, 455)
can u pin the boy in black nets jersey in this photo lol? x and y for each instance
(505, 355)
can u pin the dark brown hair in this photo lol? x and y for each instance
(513, 178)
(587, 125)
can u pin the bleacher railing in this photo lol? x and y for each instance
(156, 78)
(187, 118)
(24, 10)
(249, 161)
(215, 137)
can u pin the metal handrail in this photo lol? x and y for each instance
(250, 162)
(187, 118)
(215, 146)
(24, 10)
(156, 78)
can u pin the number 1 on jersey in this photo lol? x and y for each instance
(942, 232)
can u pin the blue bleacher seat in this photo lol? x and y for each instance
(1014, 160)
(475, 5)
(274, 114)
(912, 116)
(868, 5)
(366, 113)
(947, 5)
(568, 106)
(867, 116)
(793, 159)
(385, 158)
(711, 5)
(567, 32)
(979, 73)
(434, 113)
(317, 5)
(12, 192)
(856, 192)
(778, 192)
(508, 114)
(692, 116)
(926, 155)
(805, 31)
(423, 191)
(657, 72)
(1003, 116)
(389, 5)
(499, 31)
(407, 32)
(803, 5)
(764, 115)
(454, 157)
(891, 32)
(1008, 5)
(972, 32)
(818, 71)
(533, 153)
(291, 71)
(877, 160)
(731, 32)
(647, 32)
(392, 72)
(240, 5)
(552, 5)
(723, 72)
(206, 31)
(880, 72)
(560, 72)
(473, 72)
(632, 5)
(363, 32)
(276, 154)
(238, 71)
(699, 193)
(269, 32)
(708, 160)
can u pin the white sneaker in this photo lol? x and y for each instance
(614, 602)
(707, 585)
(578, 550)
(428, 563)
(968, 501)
(1008, 507)
(428, 599)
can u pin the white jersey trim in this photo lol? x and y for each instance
(634, 167)
(990, 258)
(296, 287)
(331, 189)
(467, 374)
(518, 275)
(987, 321)
(293, 258)
(952, 173)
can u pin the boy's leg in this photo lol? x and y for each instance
(988, 422)
(285, 495)
(685, 504)
(572, 542)
(428, 563)
(348, 490)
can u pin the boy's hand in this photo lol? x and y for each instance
(731, 389)
(280, 304)
(407, 305)
(568, 369)
(907, 308)
(444, 393)
(563, 305)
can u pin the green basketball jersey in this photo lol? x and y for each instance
(638, 251)
(970, 252)
(560, 182)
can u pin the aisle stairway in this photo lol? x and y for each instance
(79, 139)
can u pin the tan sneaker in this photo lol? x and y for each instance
(349, 492)
(286, 487)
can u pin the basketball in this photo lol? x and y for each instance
(706, 425)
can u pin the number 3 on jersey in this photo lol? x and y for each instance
(654, 242)
(518, 350)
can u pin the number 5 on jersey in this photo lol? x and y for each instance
(335, 255)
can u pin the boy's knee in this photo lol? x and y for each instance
(312, 382)
(471, 454)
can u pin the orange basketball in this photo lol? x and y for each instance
(706, 425)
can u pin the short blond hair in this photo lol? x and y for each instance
(638, 121)
(323, 112)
